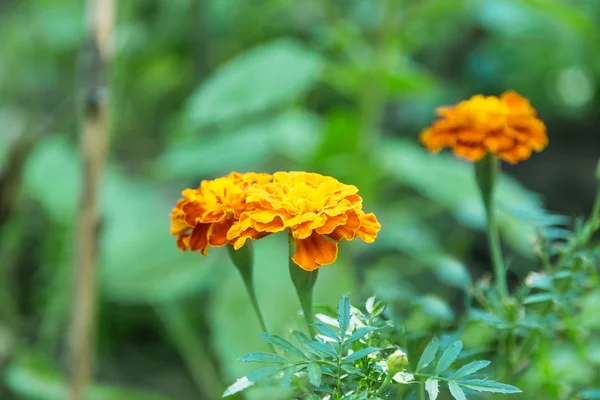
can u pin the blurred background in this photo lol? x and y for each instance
(202, 88)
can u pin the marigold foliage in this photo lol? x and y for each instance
(204, 215)
(506, 126)
(317, 211)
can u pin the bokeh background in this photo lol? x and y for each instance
(202, 88)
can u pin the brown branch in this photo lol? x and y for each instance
(94, 138)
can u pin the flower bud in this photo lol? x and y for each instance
(396, 362)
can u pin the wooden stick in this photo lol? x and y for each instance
(94, 139)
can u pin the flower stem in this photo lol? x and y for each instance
(243, 259)
(384, 384)
(304, 282)
(486, 173)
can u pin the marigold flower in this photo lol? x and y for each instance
(506, 126)
(204, 215)
(318, 211)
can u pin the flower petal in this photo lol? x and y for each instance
(314, 252)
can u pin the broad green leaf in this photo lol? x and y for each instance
(471, 368)
(293, 135)
(359, 334)
(252, 379)
(456, 391)
(344, 315)
(483, 385)
(263, 357)
(314, 374)
(282, 343)
(428, 354)
(432, 387)
(288, 377)
(361, 353)
(449, 356)
(327, 331)
(259, 79)
(450, 182)
(53, 177)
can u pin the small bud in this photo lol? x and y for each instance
(396, 362)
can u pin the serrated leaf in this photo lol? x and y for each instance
(344, 315)
(429, 353)
(288, 377)
(361, 353)
(323, 348)
(359, 334)
(471, 368)
(282, 343)
(263, 357)
(306, 343)
(314, 374)
(449, 356)
(327, 331)
(432, 387)
(484, 385)
(252, 379)
(456, 391)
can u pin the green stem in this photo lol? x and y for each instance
(486, 172)
(191, 349)
(243, 260)
(384, 384)
(304, 282)
(421, 391)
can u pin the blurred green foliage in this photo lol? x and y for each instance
(201, 88)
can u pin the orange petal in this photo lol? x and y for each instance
(348, 230)
(199, 238)
(331, 223)
(369, 226)
(217, 234)
(469, 151)
(314, 251)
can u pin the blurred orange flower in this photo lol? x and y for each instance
(204, 215)
(318, 211)
(506, 126)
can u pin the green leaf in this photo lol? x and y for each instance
(306, 343)
(432, 387)
(449, 356)
(344, 315)
(259, 79)
(483, 385)
(263, 357)
(288, 377)
(361, 353)
(359, 334)
(471, 368)
(252, 379)
(428, 354)
(314, 374)
(323, 348)
(327, 331)
(539, 298)
(282, 343)
(456, 391)
(293, 135)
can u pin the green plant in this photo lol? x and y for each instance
(359, 356)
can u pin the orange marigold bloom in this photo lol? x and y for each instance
(506, 126)
(318, 211)
(204, 215)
